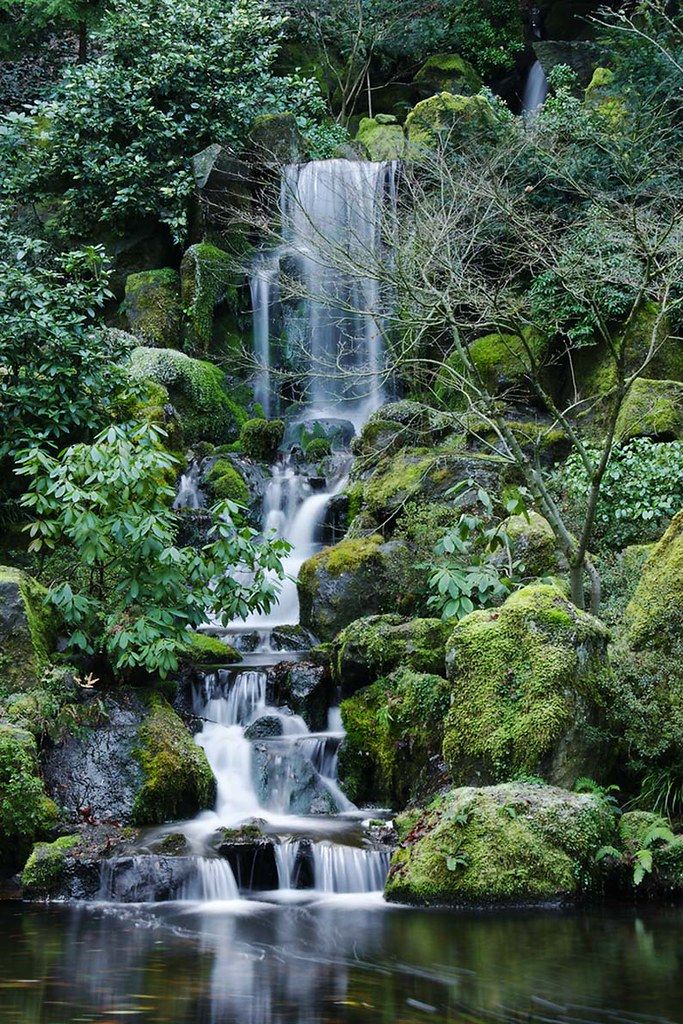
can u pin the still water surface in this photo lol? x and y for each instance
(337, 960)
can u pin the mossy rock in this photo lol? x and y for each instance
(203, 649)
(207, 278)
(382, 140)
(513, 843)
(343, 582)
(502, 361)
(601, 96)
(445, 114)
(394, 730)
(45, 869)
(261, 438)
(317, 449)
(654, 615)
(197, 390)
(27, 629)
(447, 72)
(152, 306)
(529, 681)
(26, 812)
(178, 781)
(534, 543)
(227, 483)
(652, 408)
(404, 424)
(276, 139)
(376, 644)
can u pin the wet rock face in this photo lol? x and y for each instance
(94, 775)
(286, 781)
(306, 688)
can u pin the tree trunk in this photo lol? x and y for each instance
(82, 42)
(576, 579)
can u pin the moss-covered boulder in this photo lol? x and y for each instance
(403, 424)
(178, 781)
(447, 72)
(502, 361)
(513, 843)
(227, 483)
(601, 96)
(27, 629)
(529, 681)
(350, 579)
(654, 615)
(152, 306)
(382, 136)
(652, 408)
(376, 644)
(207, 279)
(203, 649)
(26, 812)
(394, 730)
(197, 390)
(534, 543)
(444, 114)
(260, 439)
(276, 139)
(45, 869)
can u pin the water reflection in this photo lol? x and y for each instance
(340, 960)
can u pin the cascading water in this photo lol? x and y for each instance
(536, 85)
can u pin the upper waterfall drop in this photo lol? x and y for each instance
(331, 213)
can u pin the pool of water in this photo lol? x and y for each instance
(336, 960)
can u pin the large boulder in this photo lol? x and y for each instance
(447, 72)
(207, 278)
(654, 615)
(197, 390)
(404, 424)
(652, 408)
(443, 114)
(286, 782)
(394, 730)
(376, 644)
(350, 579)
(501, 360)
(276, 139)
(534, 543)
(136, 762)
(152, 306)
(306, 688)
(529, 680)
(27, 629)
(26, 812)
(382, 136)
(514, 843)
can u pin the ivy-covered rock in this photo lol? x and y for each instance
(227, 483)
(178, 781)
(27, 629)
(350, 579)
(513, 843)
(376, 644)
(394, 730)
(447, 72)
(382, 136)
(26, 812)
(654, 615)
(45, 869)
(652, 408)
(260, 439)
(207, 278)
(152, 306)
(534, 542)
(447, 113)
(529, 681)
(197, 391)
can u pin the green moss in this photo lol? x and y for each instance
(178, 780)
(206, 279)
(44, 870)
(25, 810)
(534, 542)
(383, 141)
(152, 306)
(601, 96)
(654, 615)
(203, 649)
(27, 629)
(447, 72)
(354, 493)
(227, 483)
(502, 361)
(526, 677)
(260, 439)
(372, 646)
(317, 449)
(197, 391)
(348, 555)
(501, 844)
(393, 729)
(445, 113)
(652, 408)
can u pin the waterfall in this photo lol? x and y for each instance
(535, 89)
(348, 869)
(213, 880)
(189, 494)
(336, 330)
